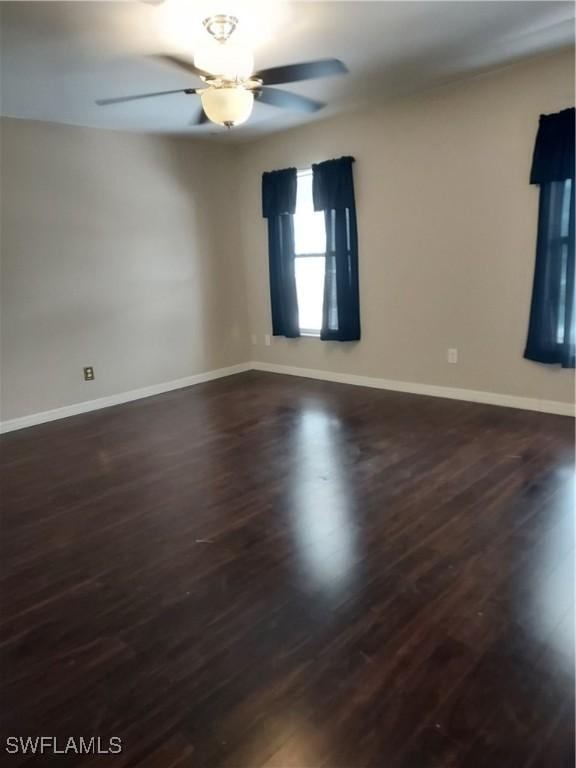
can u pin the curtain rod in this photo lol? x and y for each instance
(319, 162)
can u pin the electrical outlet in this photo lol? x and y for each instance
(254, 339)
(452, 356)
(88, 373)
(267, 340)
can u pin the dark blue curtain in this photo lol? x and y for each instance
(278, 206)
(333, 190)
(551, 332)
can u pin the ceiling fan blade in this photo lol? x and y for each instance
(307, 70)
(120, 99)
(288, 100)
(182, 63)
(200, 119)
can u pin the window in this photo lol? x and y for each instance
(552, 331)
(564, 189)
(552, 327)
(310, 242)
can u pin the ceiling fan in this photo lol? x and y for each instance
(231, 85)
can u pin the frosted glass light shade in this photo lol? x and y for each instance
(227, 106)
(225, 59)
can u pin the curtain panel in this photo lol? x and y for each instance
(551, 331)
(333, 192)
(553, 158)
(278, 207)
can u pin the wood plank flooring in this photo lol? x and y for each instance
(272, 572)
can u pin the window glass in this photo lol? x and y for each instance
(309, 230)
(310, 242)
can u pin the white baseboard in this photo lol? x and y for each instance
(432, 390)
(124, 397)
(452, 393)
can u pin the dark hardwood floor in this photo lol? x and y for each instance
(267, 571)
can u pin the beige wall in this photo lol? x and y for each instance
(126, 252)
(447, 225)
(113, 256)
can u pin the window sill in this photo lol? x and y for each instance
(310, 334)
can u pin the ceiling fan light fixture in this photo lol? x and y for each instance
(226, 60)
(227, 106)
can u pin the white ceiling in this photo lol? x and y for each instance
(58, 57)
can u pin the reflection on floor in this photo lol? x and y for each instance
(271, 571)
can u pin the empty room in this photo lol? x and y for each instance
(287, 394)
